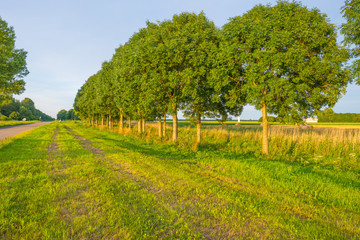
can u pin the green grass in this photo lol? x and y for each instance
(13, 123)
(335, 123)
(65, 180)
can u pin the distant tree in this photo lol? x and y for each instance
(76, 105)
(328, 115)
(105, 92)
(121, 82)
(26, 113)
(70, 115)
(270, 119)
(66, 115)
(61, 115)
(9, 106)
(290, 62)
(12, 63)
(85, 101)
(30, 106)
(351, 31)
(14, 115)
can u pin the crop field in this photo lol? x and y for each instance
(67, 180)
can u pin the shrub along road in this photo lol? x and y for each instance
(64, 180)
(9, 131)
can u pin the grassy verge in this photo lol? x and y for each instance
(13, 123)
(64, 180)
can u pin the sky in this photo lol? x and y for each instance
(68, 40)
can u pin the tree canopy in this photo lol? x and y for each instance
(18, 110)
(12, 63)
(351, 31)
(64, 115)
(283, 59)
(288, 61)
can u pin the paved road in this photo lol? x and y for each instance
(10, 131)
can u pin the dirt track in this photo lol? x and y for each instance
(10, 131)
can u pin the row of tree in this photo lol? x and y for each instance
(16, 110)
(328, 115)
(64, 115)
(282, 59)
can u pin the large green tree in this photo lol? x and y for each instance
(105, 92)
(199, 44)
(351, 31)
(288, 60)
(12, 63)
(182, 52)
(121, 85)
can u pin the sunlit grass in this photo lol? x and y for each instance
(13, 123)
(68, 181)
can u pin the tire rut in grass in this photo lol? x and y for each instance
(195, 210)
(57, 166)
(72, 201)
(58, 174)
(53, 147)
(180, 195)
(87, 144)
(123, 174)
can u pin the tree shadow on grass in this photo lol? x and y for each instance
(331, 175)
(172, 152)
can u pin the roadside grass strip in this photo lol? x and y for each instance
(68, 181)
(14, 123)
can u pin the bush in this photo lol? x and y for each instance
(270, 119)
(3, 117)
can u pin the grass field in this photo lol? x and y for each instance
(13, 123)
(65, 180)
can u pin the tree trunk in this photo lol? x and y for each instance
(121, 125)
(110, 122)
(265, 140)
(198, 129)
(102, 121)
(175, 127)
(164, 128)
(129, 123)
(160, 128)
(139, 125)
(143, 124)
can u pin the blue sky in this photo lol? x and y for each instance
(68, 40)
